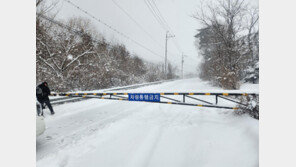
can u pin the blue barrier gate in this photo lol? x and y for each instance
(156, 97)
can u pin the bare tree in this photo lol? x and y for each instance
(83, 59)
(225, 30)
(64, 52)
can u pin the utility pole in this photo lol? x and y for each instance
(167, 36)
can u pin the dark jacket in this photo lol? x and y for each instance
(45, 93)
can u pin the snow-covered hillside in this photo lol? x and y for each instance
(109, 133)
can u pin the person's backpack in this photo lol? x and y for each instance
(39, 92)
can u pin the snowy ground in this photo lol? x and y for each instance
(109, 133)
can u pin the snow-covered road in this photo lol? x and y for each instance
(109, 133)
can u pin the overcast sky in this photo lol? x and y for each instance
(177, 13)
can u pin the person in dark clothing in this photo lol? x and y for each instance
(42, 93)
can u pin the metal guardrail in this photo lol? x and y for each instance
(63, 100)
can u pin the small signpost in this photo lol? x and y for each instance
(151, 97)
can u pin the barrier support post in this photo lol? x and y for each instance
(216, 99)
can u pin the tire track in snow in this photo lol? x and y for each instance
(142, 156)
(66, 140)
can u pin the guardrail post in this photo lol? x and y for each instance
(183, 98)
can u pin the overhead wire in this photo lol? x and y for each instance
(152, 6)
(157, 18)
(113, 29)
(138, 24)
(70, 29)
(163, 23)
(141, 27)
(153, 3)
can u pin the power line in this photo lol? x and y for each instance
(156, 12)
(139, 25)
(113, 29)
(70, 29)
(165, 22)
(158, 16)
